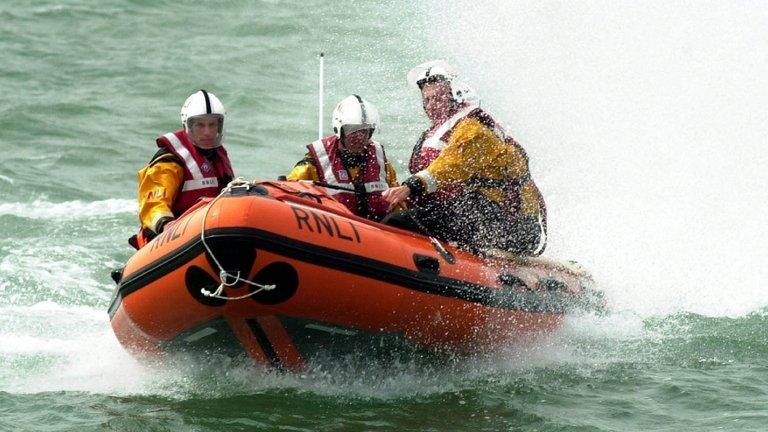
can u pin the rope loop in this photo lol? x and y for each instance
(224, 276)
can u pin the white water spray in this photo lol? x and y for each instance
(646, 127)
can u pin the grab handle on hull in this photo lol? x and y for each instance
(426, 263)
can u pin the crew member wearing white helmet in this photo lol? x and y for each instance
(191, 164)
(352, 165)
(470, 181)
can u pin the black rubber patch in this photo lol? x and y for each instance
(511, 280)
(197, 279)
(117, 274)
(281, 274)
(235, 255)
(552, 285)
(248, 190)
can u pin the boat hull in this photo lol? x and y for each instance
(336, 277)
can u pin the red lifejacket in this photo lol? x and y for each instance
(372, 177)
(202, 177)
(435, 139)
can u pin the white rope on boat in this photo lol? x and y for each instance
(223, 274)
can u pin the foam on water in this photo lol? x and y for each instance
(55, 347)
(68, 274)
(72, 348)
(52, 347)
(69, 210)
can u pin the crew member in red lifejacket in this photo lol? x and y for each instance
(191, 164)
(470, 181)
(351, 165)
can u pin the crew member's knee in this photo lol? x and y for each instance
(524, 236)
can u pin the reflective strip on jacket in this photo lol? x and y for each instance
(372, 177)
(202, 177)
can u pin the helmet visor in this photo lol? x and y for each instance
(207, 130)
(351, 128)
(218, 117)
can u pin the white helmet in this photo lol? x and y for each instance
(202, 103)
(354, 113)
(439, 70)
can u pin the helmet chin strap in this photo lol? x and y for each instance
(343, 145)
(208, 148)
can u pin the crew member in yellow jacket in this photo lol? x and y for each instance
(352, 166)
(470, 181)
(191, 164)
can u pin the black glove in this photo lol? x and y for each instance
(161, 223)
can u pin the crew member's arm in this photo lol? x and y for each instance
(391, 175)
(392, 182)
(304, 170)
(159, 184)
(473, 151)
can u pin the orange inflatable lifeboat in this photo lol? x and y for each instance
(279, 270)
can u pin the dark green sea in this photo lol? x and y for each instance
(645, 124)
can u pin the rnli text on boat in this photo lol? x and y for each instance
(319, 223)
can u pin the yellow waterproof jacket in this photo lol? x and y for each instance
(305, 170)
(474, 158)
(159, 183)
